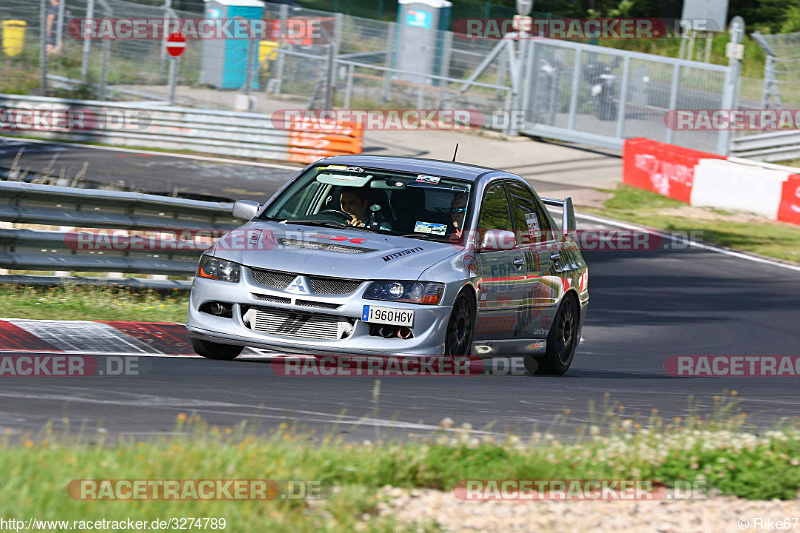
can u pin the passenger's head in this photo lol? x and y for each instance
(458, 208)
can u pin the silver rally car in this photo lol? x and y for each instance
(361, 255)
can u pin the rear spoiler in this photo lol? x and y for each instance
(568, 222)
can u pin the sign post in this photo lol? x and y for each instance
(176, 44)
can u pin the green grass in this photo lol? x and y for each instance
(39, 466)
(72, 302)
(779, 241)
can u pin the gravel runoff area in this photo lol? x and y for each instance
(421, 507)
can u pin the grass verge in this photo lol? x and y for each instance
(739, 231)
(72, 302)
(715, 448)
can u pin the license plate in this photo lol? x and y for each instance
(387, 315)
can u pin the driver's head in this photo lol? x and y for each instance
(354, 203)
(458, 210)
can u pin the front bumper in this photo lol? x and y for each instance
(430, 321)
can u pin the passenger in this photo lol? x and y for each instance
(458, 209)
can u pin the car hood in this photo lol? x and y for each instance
(341, 253)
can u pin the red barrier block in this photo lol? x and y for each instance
(660, 167)
(789, 208)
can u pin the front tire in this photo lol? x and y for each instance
(562, 340)
(213, 350)
(461, 326)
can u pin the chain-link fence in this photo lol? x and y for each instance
(566, 90)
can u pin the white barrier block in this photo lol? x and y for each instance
(729, 185)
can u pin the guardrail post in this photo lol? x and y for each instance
(623, 97)
(348, 91)
(43, 45)
(673, 96)
(448, 50)
(62, 7)
(387, 78)
(248, 75)
(735, 52)
(167, 9)
(284, 16)
(573, 98)
(87, 44)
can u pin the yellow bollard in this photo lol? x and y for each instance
(267, 50)
(13, 36)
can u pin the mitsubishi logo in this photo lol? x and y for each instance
(299, 285)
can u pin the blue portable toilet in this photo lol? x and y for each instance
(421, 26)
(224, 62)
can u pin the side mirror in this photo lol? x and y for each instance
(495, 240)
(246, 209)
(568, 223)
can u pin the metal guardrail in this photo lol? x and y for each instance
(69, 208)
(769, 146)
(177, 128)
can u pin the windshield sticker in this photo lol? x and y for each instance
(430, 227)
(533, 225)
(428, 179)
(355, 169)
(395, 255)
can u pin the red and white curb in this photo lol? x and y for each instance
(99, 338)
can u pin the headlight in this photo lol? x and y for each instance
(219, 269)
(415, 292)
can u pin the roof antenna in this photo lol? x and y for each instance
(454, 153)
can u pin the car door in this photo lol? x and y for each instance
(538, 244)
(502, 272)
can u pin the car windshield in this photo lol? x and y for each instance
(381, 201)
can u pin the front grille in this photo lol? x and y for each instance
(333, 285)
(273, 299)
(321, 305)
(299, 324)
(319, 284)
(272, 278)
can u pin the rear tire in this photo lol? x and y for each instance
(562, 340)
(213, 350)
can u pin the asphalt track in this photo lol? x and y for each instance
(645, 306)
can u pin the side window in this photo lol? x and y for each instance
(494, 210)
(530, 223)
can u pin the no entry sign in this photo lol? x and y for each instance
(176, 44)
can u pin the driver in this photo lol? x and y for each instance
(354, 203)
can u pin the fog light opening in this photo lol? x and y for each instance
(220, 309)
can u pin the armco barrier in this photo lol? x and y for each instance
(33, 249)
(709, 180)
(216, 132)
